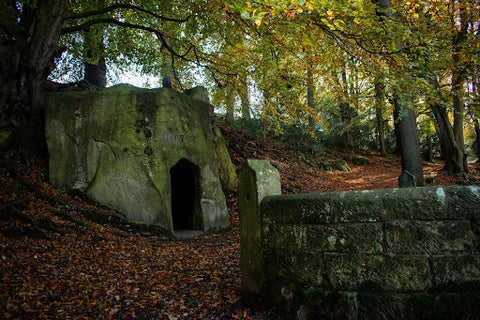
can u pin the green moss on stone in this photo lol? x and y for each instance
(130, 138)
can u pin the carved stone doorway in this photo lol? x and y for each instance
(185, 191)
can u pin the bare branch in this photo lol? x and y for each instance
(86, 25)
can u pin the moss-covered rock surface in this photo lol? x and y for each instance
(118, 146)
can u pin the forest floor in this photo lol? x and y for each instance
(64, 258)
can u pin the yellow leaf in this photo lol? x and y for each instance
(330, 14)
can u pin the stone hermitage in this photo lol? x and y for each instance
(149, 153)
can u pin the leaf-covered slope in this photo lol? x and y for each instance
(61, 257)
(306, 172)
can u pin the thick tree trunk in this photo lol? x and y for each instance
(95, 68)
(406, 126)
(412, 172)
(461, 167)
(27, 52)
(96, 74)
(167, 75)
(453, 152)
(459, 76)
(245, 106)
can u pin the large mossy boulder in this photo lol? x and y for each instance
(150, 154)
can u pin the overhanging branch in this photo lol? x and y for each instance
(123, 6)
(162, 38)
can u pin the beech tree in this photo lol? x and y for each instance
(356, 29)
(30, 33)
(425, 47)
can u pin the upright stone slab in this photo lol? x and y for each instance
(147, 153)
(258, 179)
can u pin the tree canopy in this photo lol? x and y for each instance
(303, 61)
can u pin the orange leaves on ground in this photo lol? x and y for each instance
(87, 270)
(84, 269)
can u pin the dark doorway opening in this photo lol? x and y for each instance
(185, 190)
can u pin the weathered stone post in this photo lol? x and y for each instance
(258, 179)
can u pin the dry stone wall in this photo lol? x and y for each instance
(408, 253)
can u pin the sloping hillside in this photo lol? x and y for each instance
(306, 172)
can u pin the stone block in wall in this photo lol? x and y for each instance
(375, 305)
(315, 239)
(285, 267)
(457, 272)
(388, 204)
(463, 202)
(475, 224)
(291, 238)
(456, 305)
(415, 236)
(350, 272)
(312, 303)
(298, 209)
(354, 238)
(376, 272)
(319, 304)
(362, 206)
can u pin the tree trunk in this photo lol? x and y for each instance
(453, 152)
(429, 155)
(396, 130)
(459, 75)
(230, 107)
(412, 172)
(27, 52)
(96, 74)
(311, 99)
(461, 167)
(346, 113)
(477, 140)
(167, 75)
(95, 69)
(406, 126)
(167, 71)
(245, 100)
(379, 99)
